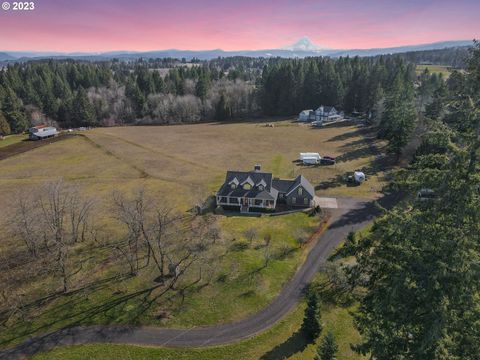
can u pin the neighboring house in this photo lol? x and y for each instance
(41, 132)
(306, 116)
(326, 114)
(257, 191)
(322, 114)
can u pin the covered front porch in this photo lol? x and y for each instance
(246, 204)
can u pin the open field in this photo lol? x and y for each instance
(12, 139)
(181, 165)
(438, 69)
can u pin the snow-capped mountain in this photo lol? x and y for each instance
(303, 44)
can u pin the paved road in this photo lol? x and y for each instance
(350, 215)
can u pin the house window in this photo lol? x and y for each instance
(258, 202)
(300, 191)
(233, 200)
(294, 200)
(233, 186)
(223, 199)
(305, 201)
(261, 188)
(247, 186)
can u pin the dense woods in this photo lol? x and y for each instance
(418, 267)
(78, 93)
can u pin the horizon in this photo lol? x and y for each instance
(90, 27)
(217, 49)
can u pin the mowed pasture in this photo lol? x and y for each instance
(179, 166)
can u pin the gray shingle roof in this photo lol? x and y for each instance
(301, 180)
(271, 189)
(282, 185)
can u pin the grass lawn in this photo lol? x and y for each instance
(438, 69)
(12, 139)
(282, 341)
(180, 165)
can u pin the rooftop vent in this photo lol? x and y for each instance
(257, 168)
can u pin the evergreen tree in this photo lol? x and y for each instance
(420, 267)
(222, 110)
(82, 111)
(436, 108)
(13, 111)
(4, 127)
(399, 117)
(201, 88)
(328, 348)
(312, 322)
(133, 93)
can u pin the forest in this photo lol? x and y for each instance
(69, 93)
(417, 268)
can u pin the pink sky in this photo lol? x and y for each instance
(105, 25)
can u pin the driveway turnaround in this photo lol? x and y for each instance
(350, 215)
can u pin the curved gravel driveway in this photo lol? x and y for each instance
(351, 215)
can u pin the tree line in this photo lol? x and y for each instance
(417, 269)
(74, 93)
(71, 93)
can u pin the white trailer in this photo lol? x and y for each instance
(310, 155)
(311, 160)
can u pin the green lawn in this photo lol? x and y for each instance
(282, 341)
(438, 69)
(177, 165)
(241, 284)
(12, 139)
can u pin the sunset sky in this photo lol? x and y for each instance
(105, 25)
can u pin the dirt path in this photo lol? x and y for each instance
(27, 145)
(351, 215)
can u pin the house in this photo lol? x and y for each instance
(321, 115)
(306, 115)
(41, 132)
(326, 114)
(258, 191)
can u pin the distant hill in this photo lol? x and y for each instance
(5, 56)
(302, 48)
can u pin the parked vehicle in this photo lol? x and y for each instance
(311, 160)
(426, 194)
(359, 177)
(310, 155)
(327, 160)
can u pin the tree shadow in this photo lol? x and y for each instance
(350, 134)
(294, 344)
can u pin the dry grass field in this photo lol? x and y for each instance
(186, 163)
(179, 166)
(437, 69)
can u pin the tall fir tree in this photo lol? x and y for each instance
(328, 348)
(312, 320)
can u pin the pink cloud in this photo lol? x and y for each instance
(232, 25)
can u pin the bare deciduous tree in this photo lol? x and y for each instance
(173, 242)
(52, 221)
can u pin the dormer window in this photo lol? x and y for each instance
(300, 191)
(247, 183)
(261, 185)
(233, 183)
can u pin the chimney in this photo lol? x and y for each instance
(257, 168)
